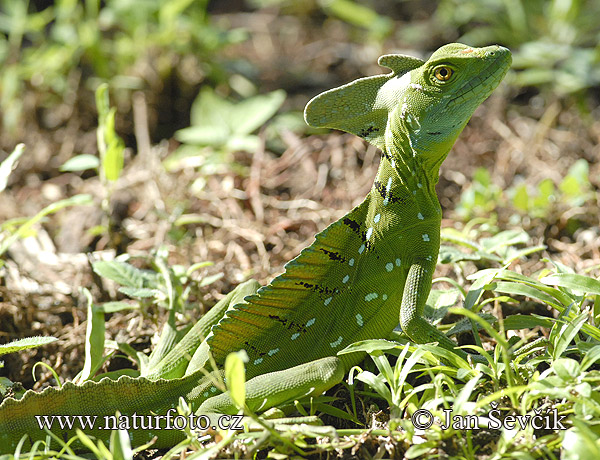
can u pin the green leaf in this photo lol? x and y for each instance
(112, 307)
(517, 322)
(211, 279)
(250, 114)
(370, 346)
(521, 198)
(204, 135)
(94, 339)
(235, 377)
(377, 383)
(120, 445)
(141, 293)
(334, 412)
(563, 332)
(9, 164)
(503, 239)
(508, 287)
(120, 272)
(81, 163)
(580, 442)
(572, 281)
(465, 325)
(23, 344)
(112, 161)
(567, 369)
(451, 254)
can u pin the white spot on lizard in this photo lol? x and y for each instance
(425, 237)
(273, 351)
(345, 279)
(310, 322)
(351, 262)
(295, 336)
(384, 297)
(377, 218)
(386, 200)
(371, 296)
(258, 361)
(361, 249)
(398, 262)
(337, 342)
(359, 319)
(389, 266)
(369, 232)
(327, 300)
(420, 216)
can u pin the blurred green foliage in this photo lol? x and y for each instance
(541, 200)
(70, 44)
(116, 41)
(220, 127)
(554, 42)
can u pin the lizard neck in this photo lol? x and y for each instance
(403, 193)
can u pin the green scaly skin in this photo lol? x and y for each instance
(362, 275)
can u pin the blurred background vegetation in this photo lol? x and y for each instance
(181, 121)
(169, 134)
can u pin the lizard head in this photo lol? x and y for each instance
(420, 106)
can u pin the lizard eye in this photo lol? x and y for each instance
(443, 73)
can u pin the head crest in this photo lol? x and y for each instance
(362, 106)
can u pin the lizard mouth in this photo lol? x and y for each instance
(486, 81)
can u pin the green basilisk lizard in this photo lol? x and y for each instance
(361, 276)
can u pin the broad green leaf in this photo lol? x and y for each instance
(250, 114)
(209, 109)
(573, 281)
(23, 344)
(370, 346)
(81, 163)
(204, 135)
(120, 272)
(517, 322)
(508, 275)
(235, 377)
(507, 287)
(451, 254)
(211, 279)
(505, 238)
(567, 369)
(580, 442)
